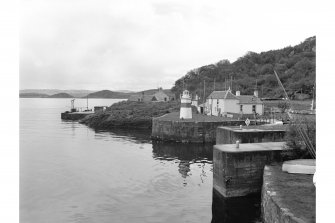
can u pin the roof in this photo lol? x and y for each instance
(243, 99)
(249, 99)
(222, 95)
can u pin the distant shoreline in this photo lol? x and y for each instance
(71, 98)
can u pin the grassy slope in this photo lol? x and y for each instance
(130, 114)
(296, 105)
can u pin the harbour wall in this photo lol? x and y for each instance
(189, 131)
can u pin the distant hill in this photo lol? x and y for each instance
(109, 94)
(124, 94)
(153, 91)
(61, 95)
(125, 91)
(295, 67)
(74, 93)
(33, 95)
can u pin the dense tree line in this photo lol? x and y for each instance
(295, 67)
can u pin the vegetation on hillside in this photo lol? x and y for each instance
(295, 67)
(294, 141)
(130, 114)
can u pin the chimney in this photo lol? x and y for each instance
(256, 93)
(238, 93)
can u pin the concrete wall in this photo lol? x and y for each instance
(239, 172)
(180, 131)
(227, 135)
(230, 209)
(231, 106)
(287, 198)
(247, 108)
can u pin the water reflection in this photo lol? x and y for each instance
(191, 153)
(133, 135)
(236, 210)
(186, 154)
(190, 159)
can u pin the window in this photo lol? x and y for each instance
(241, 108)
(253, 108)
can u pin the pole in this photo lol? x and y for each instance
(298, 123)
(214, 85)
(204, 99)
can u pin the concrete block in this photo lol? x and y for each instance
(301, 166)
(250, 134)
(239, 172)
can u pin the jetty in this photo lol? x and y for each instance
(74, 116)
(76, 113)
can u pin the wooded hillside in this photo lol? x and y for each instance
(295, 67)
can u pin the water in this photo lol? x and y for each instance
(71, 173)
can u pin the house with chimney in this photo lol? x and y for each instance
(159, 96)
(226, 104)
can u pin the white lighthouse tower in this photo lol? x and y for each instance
(185, 107)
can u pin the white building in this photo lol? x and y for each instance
(222, 103)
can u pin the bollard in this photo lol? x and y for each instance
(240, 126)
(237, 144)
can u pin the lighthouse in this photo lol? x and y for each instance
(185, 107)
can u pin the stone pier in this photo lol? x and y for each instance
(239, 171)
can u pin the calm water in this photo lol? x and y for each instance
(71, 173)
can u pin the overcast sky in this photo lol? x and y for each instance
(143, 44)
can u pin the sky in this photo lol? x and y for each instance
(144, 44)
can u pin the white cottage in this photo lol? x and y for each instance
(221, 103)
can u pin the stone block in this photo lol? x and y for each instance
(239, 171)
